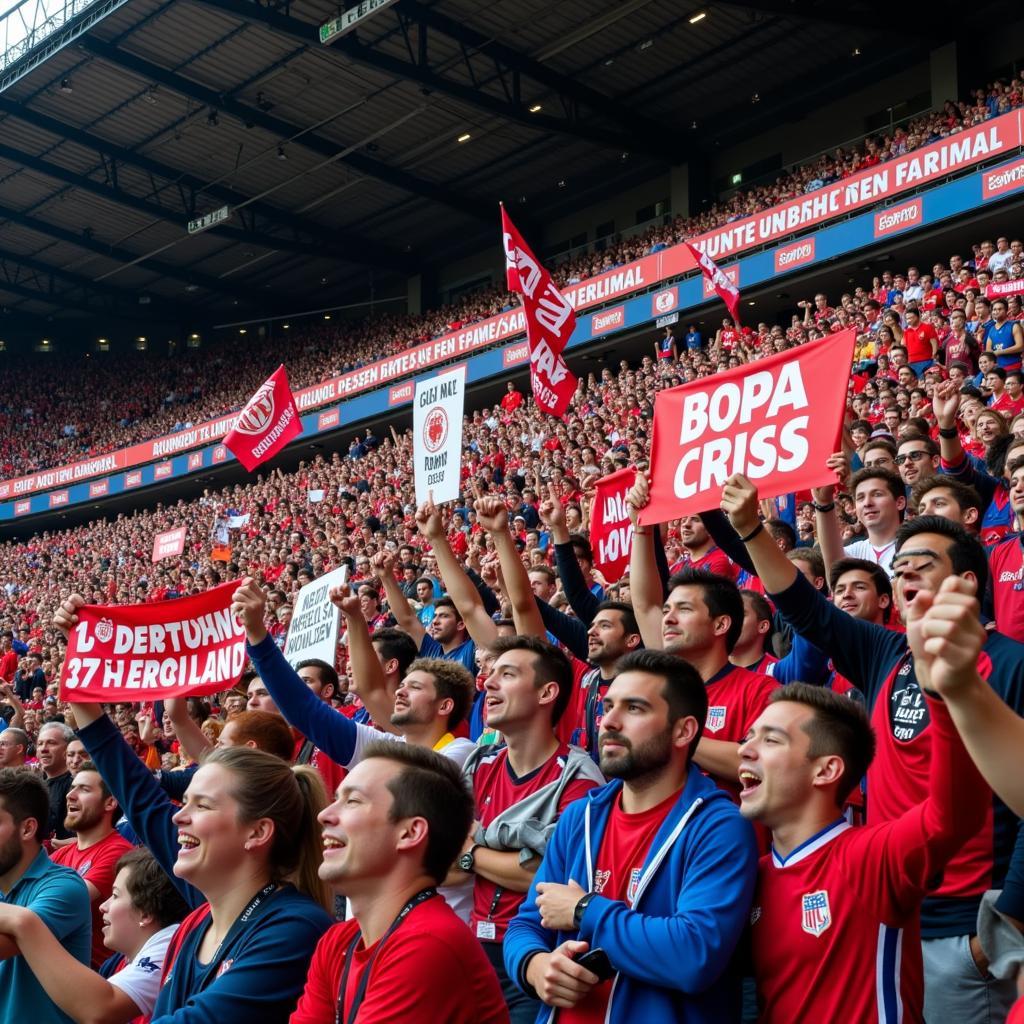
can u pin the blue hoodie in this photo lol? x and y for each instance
(672, 950)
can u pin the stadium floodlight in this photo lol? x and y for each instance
(346, 22)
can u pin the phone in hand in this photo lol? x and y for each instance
(596, 961)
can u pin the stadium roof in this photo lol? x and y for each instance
(342, 163)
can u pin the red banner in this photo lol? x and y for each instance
(266, 424)
(550, 320)
(1001, 289)
(611, 532)
(724, 288)
(867, 187)
(755, 420)
(168, 544)
(184, 648)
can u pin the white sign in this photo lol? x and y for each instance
(209, 220)
(665, 321)
(237, 522)
(313, 632)
(437, 435)
(315, 497)
(344, 23)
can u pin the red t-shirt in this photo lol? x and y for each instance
(918, 342)
(95, 864)
(736, 696)
(430, 969)
(1006, 568)
(495, 789)
(617, 870)
(716, 561)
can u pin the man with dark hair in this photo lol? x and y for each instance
(432, 699)
(28, 878)
(942, 495)
(390, 838)
(667, 864)
(917, 458)
(519, 789)
(882, 665)
(858, 890)
(880, 498)
(98, 846)
(698, 616)
(751, 649)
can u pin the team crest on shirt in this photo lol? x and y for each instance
(224, 967)
(601, 880)
(716, 718)
(815, 913)
(83, 869)
(634, 884)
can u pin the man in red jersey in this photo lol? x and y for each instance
(882, 665)
(97, 847)
(520, 788)
(700, 551)
(390, 837)
(835, 926)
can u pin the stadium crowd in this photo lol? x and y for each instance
(89, 407)
(750, 779)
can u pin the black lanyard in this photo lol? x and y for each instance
(240, 922)
(420, 897)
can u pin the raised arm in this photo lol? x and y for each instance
(75, 988)
(492, 515)
(384, 564)
(829, 536)
(645, 587)
(334, 734)
(193, 740)
(992, 732)
(582, 601)
(368, 678)
(457, 584)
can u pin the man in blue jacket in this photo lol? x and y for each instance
(667, 863)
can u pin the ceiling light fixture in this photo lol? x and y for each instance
(281, 154)
(65, 85)
(699, 16)
(535, 108)
(464, 137)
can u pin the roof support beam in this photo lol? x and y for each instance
(125, 256)
(363, 250)
(313, 141)
(114, 194)
(627, 131)
(826, 13)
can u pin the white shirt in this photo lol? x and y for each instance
(880, 556)
(139, 980)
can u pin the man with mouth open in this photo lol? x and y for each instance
(97, 848)
(390, 838)
(882, 664)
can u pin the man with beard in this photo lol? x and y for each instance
(700, 551)
(28, 878)
(52, 754)
(97, 848)
(667, 862)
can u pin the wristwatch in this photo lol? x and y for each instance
(581, 906)
(467, 862)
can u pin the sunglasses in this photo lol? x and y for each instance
(912, 456)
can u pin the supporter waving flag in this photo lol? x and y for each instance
(268, 422)
(550, 321)
(726, 290)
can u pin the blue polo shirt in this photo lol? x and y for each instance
(61, 900)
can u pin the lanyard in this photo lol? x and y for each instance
(357, 1002)
(236, 927)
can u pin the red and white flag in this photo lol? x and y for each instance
(726, 290)
(550, 321)
(611, 532)
(268, 422)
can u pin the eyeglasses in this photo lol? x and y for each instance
(913, 456)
